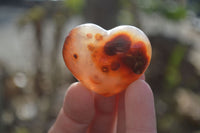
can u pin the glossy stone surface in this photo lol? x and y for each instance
(107, 61)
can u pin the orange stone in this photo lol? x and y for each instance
(89, 35)
(98, 37)
(108, 63)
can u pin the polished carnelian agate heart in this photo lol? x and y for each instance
(106, 61)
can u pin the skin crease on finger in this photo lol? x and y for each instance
(77, 112)
(77, 118)
(121, 122)
(105, 114)
(139, 100)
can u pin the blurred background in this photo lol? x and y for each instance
(33, 77)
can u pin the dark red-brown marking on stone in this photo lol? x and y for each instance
(137, 60)
(75, 56)
(104, 69)
(115, 65)
(119, 44)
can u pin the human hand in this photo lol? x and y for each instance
(131, 111)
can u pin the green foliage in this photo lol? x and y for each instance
(176, 13)
(127, 17)
(150, 6)
(21, 130)
(173, 76)
(166, 122)
(59, 18)
(170, 9)
(125, 3)
(35, 14)
(177, 56)
(75, 6)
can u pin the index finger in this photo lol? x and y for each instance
(139, 108)
(77, 111)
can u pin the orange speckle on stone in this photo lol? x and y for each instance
(106, 62)
(89, 35)
(98, 37)
(91, 47)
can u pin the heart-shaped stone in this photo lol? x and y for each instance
(106, 61)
